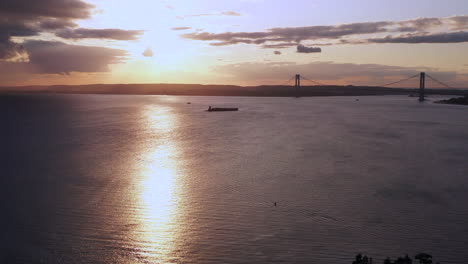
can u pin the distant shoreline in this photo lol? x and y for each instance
(223, 90)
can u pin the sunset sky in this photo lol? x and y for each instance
(244, 42)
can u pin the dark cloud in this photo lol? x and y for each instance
(228, 38)
(304, 49)
(231, 42)
(33, 9)
(330, 32)
(11, 28)
(353, 33)
(181, 28)
(54, 23)
(281, 45)
(10, 50)
(61, 58)
(115, 34)
(406, 29)
(277, 52)
(26, 18)
(453, 37)
(148, 53)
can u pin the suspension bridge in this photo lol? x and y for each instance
(423, 78)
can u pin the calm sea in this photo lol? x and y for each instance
(154, 179)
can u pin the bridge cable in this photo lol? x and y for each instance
(402, 80)
(439, 82)
(287, 82)
(315, 82)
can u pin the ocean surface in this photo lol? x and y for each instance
(153, 179)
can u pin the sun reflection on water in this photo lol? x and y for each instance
(158, 172)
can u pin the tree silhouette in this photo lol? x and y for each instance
(362, 260)
(424, 258)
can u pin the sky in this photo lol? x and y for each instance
(241, 42)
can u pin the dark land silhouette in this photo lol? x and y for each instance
(226, 90)
(421, 258)
(458, 100)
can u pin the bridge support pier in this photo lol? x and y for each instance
(422, 86)
(298, 84)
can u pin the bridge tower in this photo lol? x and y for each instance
(298, 84)
(422, 86)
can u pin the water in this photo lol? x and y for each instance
(152, 179)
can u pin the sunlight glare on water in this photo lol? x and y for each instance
(158, 170)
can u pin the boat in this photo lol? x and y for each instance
(221, 109)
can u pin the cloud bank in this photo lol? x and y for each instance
(35, 10)
(115, 34)
(61, 58)
(453, 37)
(54, 57)
(420, 30)
(30, 18)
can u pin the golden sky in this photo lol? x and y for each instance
(244, 42)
